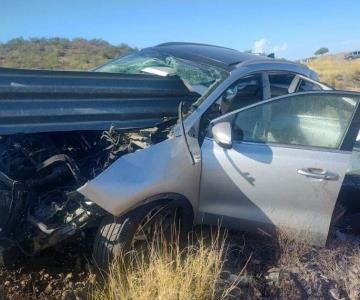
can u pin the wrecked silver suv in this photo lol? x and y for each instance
(191, 132)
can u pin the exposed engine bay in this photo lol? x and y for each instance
(39, 175)
(60, 129)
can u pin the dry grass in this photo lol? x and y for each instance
(291, 249)
(343, 268)
(199, 271)
(165, 271)
(337, 72)
(306, 271)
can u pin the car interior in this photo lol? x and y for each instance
(249, 90)
(305, 120)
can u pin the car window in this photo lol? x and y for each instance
(306, 86)
(311, 120)
(280, 83)
(246, 91)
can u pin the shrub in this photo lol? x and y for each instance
(166, 271)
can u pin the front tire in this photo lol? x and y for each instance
(121, 234)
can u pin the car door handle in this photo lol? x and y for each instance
(318, 174)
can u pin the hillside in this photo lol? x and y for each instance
(58, 53)
(82, 54)
(337, 72)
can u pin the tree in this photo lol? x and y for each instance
(321, 51)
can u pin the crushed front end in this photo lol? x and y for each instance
(58, 130)
(39, 176)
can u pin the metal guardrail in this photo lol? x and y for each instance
(33, 101)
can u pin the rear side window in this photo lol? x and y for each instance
(306, 86)
(280, 83)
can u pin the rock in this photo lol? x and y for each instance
(7, 283)
(273, 278)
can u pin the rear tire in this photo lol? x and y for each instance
(116, 234)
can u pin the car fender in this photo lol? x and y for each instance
(162, 168)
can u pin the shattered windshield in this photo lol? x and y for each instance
(197, 77)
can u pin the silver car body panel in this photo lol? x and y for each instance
(132, 179)
(264, 190)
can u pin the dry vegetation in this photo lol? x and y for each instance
(166, 271)
(58, 53)
(238, 267)
(337, 72)
(304, 272)
(212, 266)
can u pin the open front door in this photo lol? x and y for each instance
(286, 164)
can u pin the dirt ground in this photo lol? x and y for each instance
(280, 270)
(57, 273)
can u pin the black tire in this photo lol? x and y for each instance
(116, 234)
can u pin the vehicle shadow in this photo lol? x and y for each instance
(231, 205)
(262, 154)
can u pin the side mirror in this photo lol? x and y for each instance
(221, 133)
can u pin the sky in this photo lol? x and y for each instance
(291, 29)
